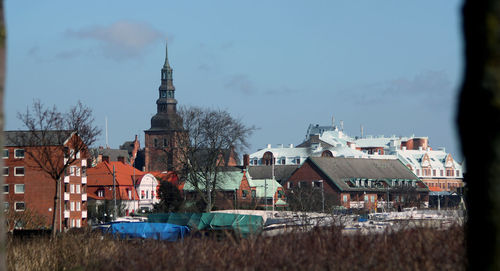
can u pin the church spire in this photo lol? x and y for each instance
(166, 64)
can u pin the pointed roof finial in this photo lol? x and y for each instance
(166, 56)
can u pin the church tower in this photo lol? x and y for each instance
(166, 126)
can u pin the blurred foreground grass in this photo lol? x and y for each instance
(319, 249)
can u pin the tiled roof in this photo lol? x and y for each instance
(226, 180)
(168, 176)
(102, 174)
(260, 187)
(338, 169)
(48, 138)
(281, 172)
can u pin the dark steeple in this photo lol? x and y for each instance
(166, 117)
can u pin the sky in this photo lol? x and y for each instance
(393, 67)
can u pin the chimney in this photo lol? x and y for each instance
(121, 159)
(246, 160)
(268, 146)
(291, 146)
(105, 158)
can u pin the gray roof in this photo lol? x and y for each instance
(35, 138)
(281, 172)
(113, 154)
(339, 169)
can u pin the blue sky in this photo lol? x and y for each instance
(392, 66)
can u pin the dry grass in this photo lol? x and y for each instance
(320, 249)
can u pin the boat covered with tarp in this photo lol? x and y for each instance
(146, 230)
(241, 225)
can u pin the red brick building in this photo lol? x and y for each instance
(27, 187)
(361, 183)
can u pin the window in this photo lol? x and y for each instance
(441, 171)
(290, 185)
(78, 155)
(129, 194)
(344, 198)
(6, 206)
(19, 153)
(19, 206)
(165, 142)
(19, 188)
(74, 171)
(5, 153)
(281, 194)
(78, 206)
(372, 199)
(297, 161)
(366, 198)
(142, 194)
(100, 193)
(5, 171)
(6, 189)
(18, 171)
(418, 172)
(84, 171)
(147, 194)
(434, 172)
(458, 173)
(77, 186)
(155, 142)
(78, 223)
(72, 188)
(254, 195)
(244, 194)
(72, 205)
(318, 184)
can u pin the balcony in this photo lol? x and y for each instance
(357, 204)
(84, 180)
(66, 196)
(84, 214)
(66, 214)
(84, 197)
(66, 179)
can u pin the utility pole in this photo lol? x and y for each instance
(114, 190)
(323, 194)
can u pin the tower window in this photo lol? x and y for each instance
(165, 142)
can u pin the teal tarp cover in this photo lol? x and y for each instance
(158, 231)
(242, 225)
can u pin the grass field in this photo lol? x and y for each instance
(319, 249)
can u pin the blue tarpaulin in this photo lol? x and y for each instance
(158, 231)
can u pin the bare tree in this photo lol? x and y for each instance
(53, 140)
(211, 139)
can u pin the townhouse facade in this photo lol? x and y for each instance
(434, 167)
(132, 189)
(360, 183)
(237, 189)
(29, 189)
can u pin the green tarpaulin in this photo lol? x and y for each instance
(242, 225)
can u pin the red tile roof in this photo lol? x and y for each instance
(435, 189)
(100, 177)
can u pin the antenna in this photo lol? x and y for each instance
(341, 125)
(106, 120)
(361, 131)
(333, 121)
